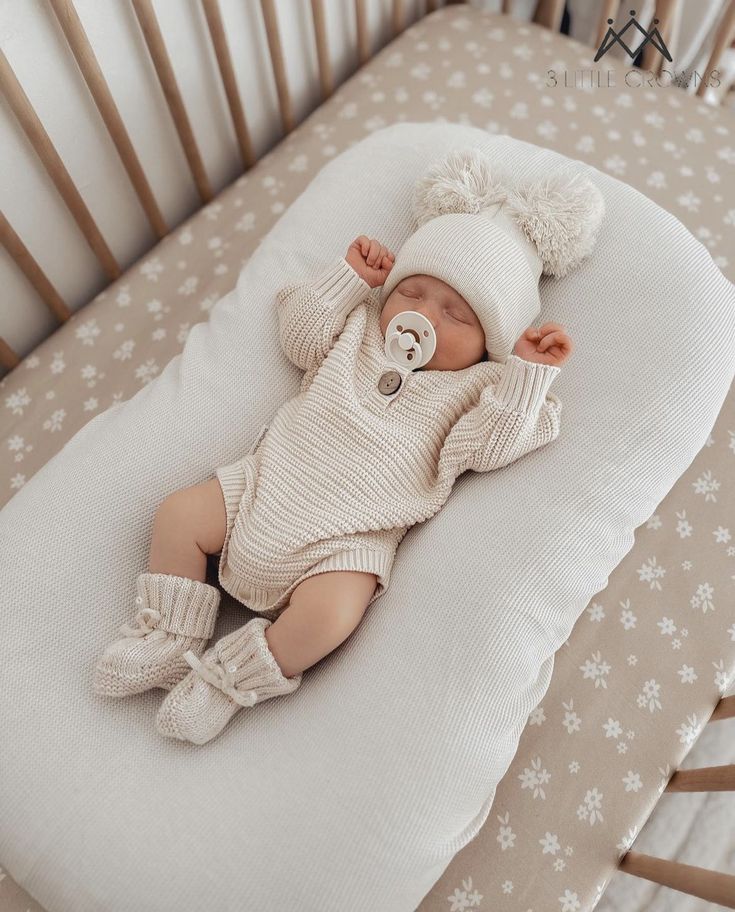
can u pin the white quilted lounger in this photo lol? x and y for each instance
(355, 792)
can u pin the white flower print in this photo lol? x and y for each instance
(687, 674)
(506, 837)
(571, 720)
(683, 527)
(152, 268)
(466, 898)
(667, 626)
(17, 401)
(706, 485)
(689, 730)
(702, 598)
(569, 901)
(58, 365)
(632, 782)
(535, 778)
(55, 422)
(88, 332)
(649, 696)
(596, 669)
(627, 617)
(537, 716)
(590, 809)
(651, 572)
(596, 611)
(550, 844)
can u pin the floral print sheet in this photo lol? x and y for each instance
(636, 682)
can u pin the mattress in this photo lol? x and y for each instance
(504, 849)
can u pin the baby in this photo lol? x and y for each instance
(307, 524)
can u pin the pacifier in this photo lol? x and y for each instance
(410, 340)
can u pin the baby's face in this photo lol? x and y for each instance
(460, 339)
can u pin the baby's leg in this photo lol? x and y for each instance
(322, 612)
(189, 524)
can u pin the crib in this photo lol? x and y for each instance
(130, 335)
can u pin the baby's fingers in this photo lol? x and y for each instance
(374, 253)
(362, 243)
(553, 338)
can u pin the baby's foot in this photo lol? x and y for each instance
(176, 615)
(239, 670)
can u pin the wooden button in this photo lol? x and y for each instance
(389, 382)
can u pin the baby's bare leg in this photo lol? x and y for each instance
(322, 612)
(189, 525)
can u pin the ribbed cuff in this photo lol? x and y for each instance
(246, 657)
(523, 384)
(341, 282)
(188, 607)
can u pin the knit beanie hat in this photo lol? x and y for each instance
(490, 237)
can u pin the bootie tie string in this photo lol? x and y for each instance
(214, 673)
(145, 620)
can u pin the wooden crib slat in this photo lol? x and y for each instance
(668, 13)
(227, 72)
(725, 709)
(279, 69)
(322, 48)
(430, 6)
(87, 62)
(162, 63)
(397, 23)
(506, 8)
(712, 886)
(705, 779)
(363, 39)
(44, 148)
(26, 262)
(8, 358)
(723, 40)
(608, 10)
(549, 13)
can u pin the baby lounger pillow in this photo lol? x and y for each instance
(355, 791)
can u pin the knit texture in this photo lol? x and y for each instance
(239, 670)
(175, 615)
(343, 470)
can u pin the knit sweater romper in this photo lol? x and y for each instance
(350, 463)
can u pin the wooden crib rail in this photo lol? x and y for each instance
(702, 882)
(547, 13)
(712, 886)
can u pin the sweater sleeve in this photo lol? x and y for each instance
(514, 416)
(312, 314)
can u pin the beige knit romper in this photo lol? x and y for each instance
(343, 470)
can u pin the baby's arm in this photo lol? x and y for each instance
(312, 314)
(514, 416)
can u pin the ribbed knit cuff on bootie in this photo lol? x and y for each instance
(239, 670)
(175, 615)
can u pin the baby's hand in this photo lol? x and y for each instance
(548, 344)
(370, 259)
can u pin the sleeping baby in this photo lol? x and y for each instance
(417, 367)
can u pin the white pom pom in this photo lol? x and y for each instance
(465, 180)
(560, 213)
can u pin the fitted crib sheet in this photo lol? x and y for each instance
(561, 834)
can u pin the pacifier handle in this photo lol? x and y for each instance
(410, 339)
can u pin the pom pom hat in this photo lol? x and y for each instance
(490, 237)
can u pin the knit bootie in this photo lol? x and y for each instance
(176, 614)
(239, 670)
